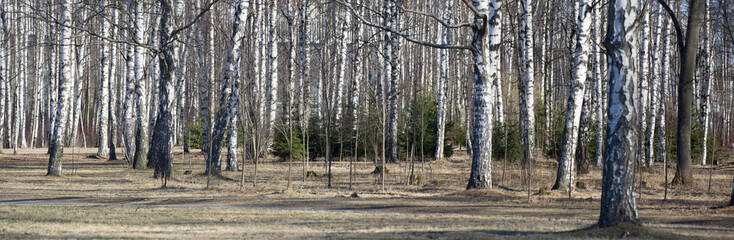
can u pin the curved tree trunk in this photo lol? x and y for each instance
(564, 176)
(230, 76)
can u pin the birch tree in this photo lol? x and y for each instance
(486, 39)
(104, 87)
(618, 197)
(706, 80)
(234, 44)
(128, 107)
(564, 176)
(3, 74)
(140, 160)
(163, 129)
(443, 80)
(526, 83)
(654, 95)
(65, 83)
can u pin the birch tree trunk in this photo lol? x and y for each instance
(346, 21)
(163, 129)
(205, 86)
(599, 93)
(128, 107)
(113, 90)
(618, 198)
(644, 78)
(526, 83)
(487, 37)
(230, 78)
(234, 112)
(65, 85)
(706, 80)
(104, 90)
(391, 150)
(564, 176)
(77, 100)
(140, 160)
(654, 95)
(443, 80)
(273, 72)
(3, 76)
(663, 93)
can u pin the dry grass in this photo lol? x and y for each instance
(105, 199)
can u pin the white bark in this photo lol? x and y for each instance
(3, 76)
(527, 75)
(230, 79)
(654, 94)
(443, 80)
(104, 88)
(643, 93)
(706, 80)
(599, 86)
(618, 197)
(664, 76)
(486, 41)
(564, 176)
(273, 70)
(128, 122)
(141, 102)
(346, 21)
(65, 86)
(113, 89)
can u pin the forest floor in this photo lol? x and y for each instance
(98, 198)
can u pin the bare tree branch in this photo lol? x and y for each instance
(401, 34)
(442, 22)
(676, 23)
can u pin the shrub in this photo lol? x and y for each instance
(507, 140)
(280, 146)
(423, 122)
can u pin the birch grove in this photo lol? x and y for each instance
(398, 91)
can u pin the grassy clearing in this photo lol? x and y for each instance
(106, 199)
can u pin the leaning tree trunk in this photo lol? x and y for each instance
(526, 84)
(230, 77)
(618, 199)
(485, 53)
(65, 86)
(564, 176)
